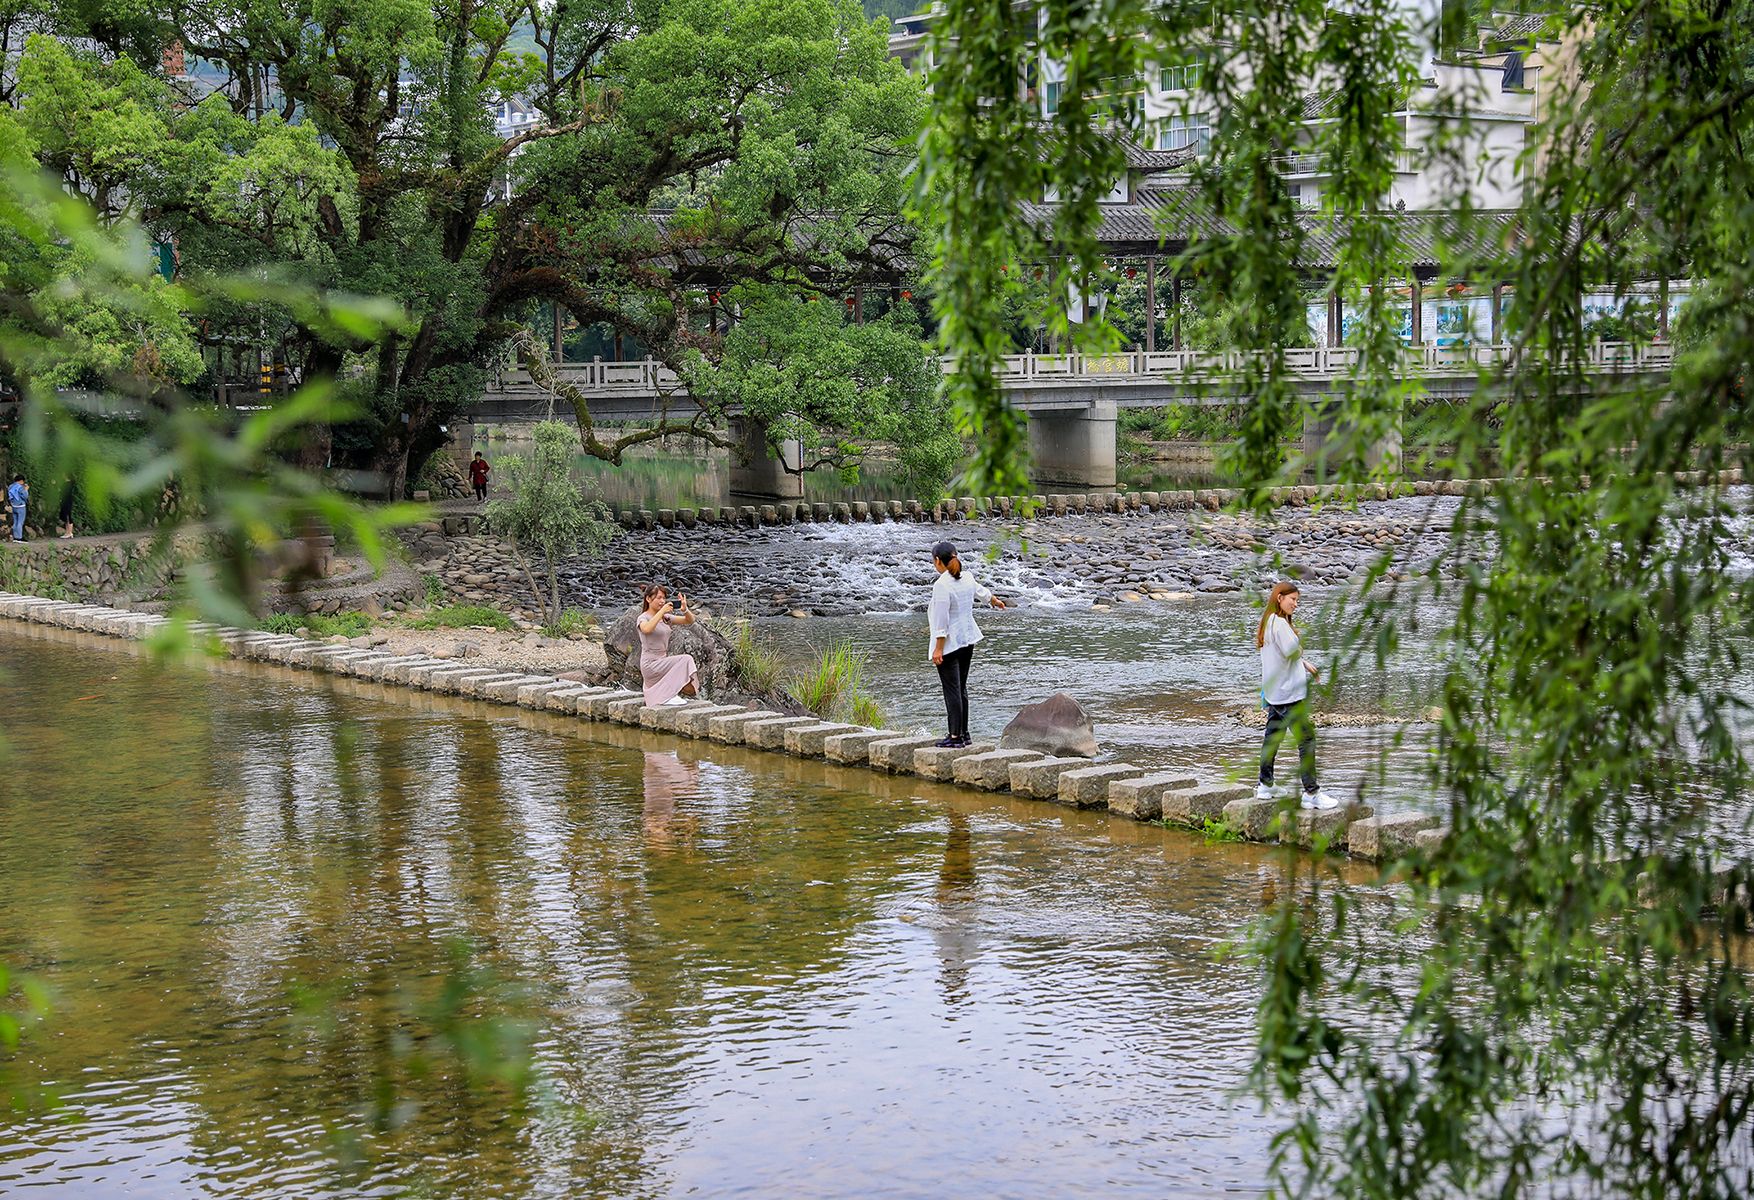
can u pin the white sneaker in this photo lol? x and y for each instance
(1320, 799)
(674, 700)
(1263, 792)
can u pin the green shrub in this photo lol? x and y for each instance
(345, 624)
(756, 664)
(457, 616)
(573, 620)
(1216, 830)
(834, 687)
(435, 589)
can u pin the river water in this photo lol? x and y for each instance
(743, 975)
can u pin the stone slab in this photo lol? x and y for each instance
(771, 733)
(939, 762)
(1040, 779)
(475, 686)
(1427, 841)
(729, 728)
(1141, 798)
(666, 718)
(693, 720)
(1387, 836)
(1256, 820)
(897, 753)
(1196, 805)
(505, 691)
(991, 771)
(597, 707)
(811, 740)
(535, 695)
(565, 698)
(624, 712)
(452, 683)
(1088, 786)
(854, 747)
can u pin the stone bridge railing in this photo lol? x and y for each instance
(1317, 362)
(649, 379)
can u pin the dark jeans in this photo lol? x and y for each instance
(953, 674)
(1294, 719)
(481, 491)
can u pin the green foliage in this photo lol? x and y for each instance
(756, 664)
(771, 135)
(545, 512)
(809, 374)
(344, 624)
(432, 590)
(833, 687)
(1217, 831)
(461, 616)
(572, 620)
(184, 462)
(1575, 1021)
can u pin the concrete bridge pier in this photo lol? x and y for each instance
(1327, 440)
(755, 471)
(1074, 445)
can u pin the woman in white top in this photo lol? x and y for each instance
(954, 633)
(1285, 676)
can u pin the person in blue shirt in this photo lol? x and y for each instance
(18, 496)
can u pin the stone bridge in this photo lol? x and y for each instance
(1072, 401)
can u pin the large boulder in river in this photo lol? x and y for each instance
(1058, 725)
(710, 651)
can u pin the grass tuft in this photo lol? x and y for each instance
(345, 624)
(459, 616)
(834, 688)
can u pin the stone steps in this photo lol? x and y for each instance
(1156, 795)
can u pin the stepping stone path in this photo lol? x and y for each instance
(1173, 797)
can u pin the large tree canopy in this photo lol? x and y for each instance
(682, 153)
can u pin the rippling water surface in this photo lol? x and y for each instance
(742, 975)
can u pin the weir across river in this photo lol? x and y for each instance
(1072, 401)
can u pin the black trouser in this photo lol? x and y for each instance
(953, 674)
(1289, 718)
(481, 491)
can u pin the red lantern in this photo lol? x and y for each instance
(849, 301)
(906, 295)
(1003, 269)
(1132, 272)
(1038, 272)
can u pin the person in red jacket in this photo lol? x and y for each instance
(478, 470)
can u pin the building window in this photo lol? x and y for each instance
(1182, 78)
(1050, 97)
(1186, 131)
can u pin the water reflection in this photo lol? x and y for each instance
(743, 975)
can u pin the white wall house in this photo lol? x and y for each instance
(1465, 124)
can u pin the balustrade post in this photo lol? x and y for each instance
(1151, 304)
(1418, 326)
(1175, 311)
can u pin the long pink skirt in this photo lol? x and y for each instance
(664, 678)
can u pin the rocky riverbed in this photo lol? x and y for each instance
(1095, 560)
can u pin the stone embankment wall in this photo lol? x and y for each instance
(99, 570)
(1185, 798)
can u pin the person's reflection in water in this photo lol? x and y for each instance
(667, 779)
(957, 923)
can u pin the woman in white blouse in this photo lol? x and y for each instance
(1285, 676)
(954, 633)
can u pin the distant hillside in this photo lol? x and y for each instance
(891, 9)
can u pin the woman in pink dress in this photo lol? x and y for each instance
(668, 678)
